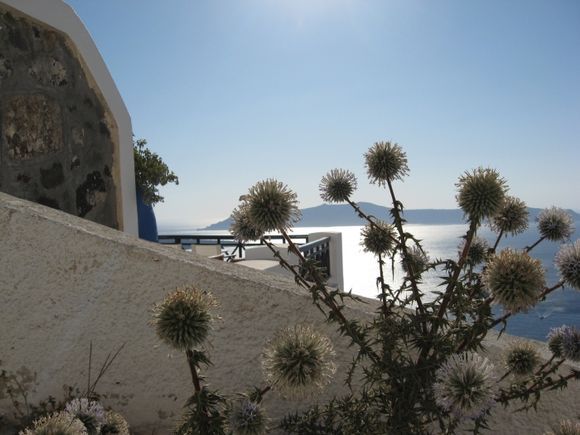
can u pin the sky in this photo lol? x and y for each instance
(230, 92)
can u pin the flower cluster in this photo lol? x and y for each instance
(478, 251)
(271, 205)
(245, 417)
(511, 218)
(337, 185)
(514, 279)
(297, 360)
(385, 162)
(481, 193)
(242, 227)
(90, 412)
(378, 238)
(521, 359)
(81, 416)
(465, 385)
(555, 224)
(418, 260)
(183, 319)
(564, 342)
(568, 264)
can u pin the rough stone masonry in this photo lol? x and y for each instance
(57, 144)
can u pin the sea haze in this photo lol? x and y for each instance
(342, 215)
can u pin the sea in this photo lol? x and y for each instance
(561, 307)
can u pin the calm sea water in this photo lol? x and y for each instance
(441, 241)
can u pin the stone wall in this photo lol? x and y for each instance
(58, 141)
(66, 282)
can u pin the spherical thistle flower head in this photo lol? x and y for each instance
(555, 337)
(555, 224)
(480, 193)
(521, 359)
(183, 319)
(478, 251)
(566, 427)
(90, 412)
(115, 423)
(418, 259)
(465, 385)
(385, 161)
(514, 279)
(246, 417)
(511, 218)
(242, 227)
(571, 344)
(298, 360)
(568, 264)
(60, 423)
(379, 238)
(272, 206)
(337, 185)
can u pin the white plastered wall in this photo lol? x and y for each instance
(60, 16)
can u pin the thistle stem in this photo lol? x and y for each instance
(497, 241)
(193, 370)
(406, 259)
(529, 248)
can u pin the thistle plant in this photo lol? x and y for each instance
(422, 364)
(61, 423)
(297, 360)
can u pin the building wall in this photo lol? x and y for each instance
(60, 143)
(66, 282)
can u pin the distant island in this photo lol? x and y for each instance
(326, 215)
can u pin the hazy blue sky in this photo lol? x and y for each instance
(232, 92)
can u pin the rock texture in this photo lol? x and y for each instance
(56, 142)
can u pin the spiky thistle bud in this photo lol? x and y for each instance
(379, 238)
(61, 423)
(571, 343)
(298, 360)
(478, 251)
(337, 185)
(465, 385)
(555, 337)
(90, 412)
(511, 218)
(246, 417)
(521, 359)
(242, 227)
(480, 193)
(385, 161)
(272, 206)
(555, 224)
(568, 264)
(418, 259)
(115, 423)
(183, 319)
(514, 279)
(566, 427)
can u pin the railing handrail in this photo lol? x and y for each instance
(315, 244)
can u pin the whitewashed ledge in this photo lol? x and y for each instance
(65, 282)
